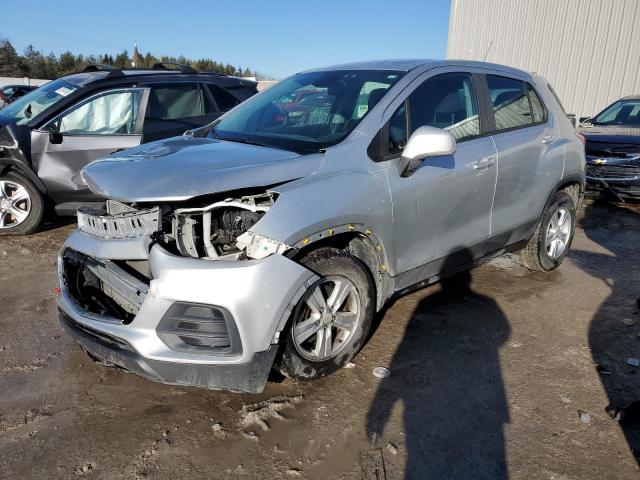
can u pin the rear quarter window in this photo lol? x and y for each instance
(537, 106)
(225, 100)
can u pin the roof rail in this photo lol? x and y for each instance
(98, 67)
(211, 72)
(180, 67)
(111, 71)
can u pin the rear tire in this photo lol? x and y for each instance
(553, 235)
(21, 205)
(332, 319)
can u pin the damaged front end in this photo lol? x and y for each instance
(181, 293)
(219, 230)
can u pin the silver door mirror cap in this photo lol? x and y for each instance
(425, 142)
(429, 142)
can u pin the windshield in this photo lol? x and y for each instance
(307, 112)
(36, 102)
(623, 112)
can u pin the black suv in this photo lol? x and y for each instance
(50, 134)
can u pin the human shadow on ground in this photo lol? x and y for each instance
(614, 329)
(446, 373)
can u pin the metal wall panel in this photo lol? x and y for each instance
(589, 50)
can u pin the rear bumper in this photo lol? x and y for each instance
(250, 377)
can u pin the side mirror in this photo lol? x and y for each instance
(585, 119)
(55, 138)
(425, 142)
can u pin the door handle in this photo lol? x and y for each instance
(547, 139)
(484, 162)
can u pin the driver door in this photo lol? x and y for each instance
(102, 124)
(444, 207)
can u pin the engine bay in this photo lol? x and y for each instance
(212, 231)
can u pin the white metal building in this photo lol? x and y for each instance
(589, 50)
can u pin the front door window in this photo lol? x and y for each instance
(110, 114)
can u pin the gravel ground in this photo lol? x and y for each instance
(503, 373)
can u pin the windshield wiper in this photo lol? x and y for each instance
(252, 142)
(244, 140)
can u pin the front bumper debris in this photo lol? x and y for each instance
(254, 298)
(125, 222)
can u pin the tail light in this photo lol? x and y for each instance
(582, 138)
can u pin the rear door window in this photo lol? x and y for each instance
(515, 103)
(179, 101)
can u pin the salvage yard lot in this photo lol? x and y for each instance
(502, 378)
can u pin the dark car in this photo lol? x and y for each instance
(10, 93)
(50, 134)
(613, 148)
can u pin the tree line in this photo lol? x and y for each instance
(35, 64)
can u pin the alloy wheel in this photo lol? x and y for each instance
(326, 318)
(15, 204)
(558, 233)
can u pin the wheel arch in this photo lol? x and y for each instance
(362, 244)
(575, 189)
(9, 164)
(572, 184)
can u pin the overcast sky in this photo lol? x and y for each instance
(278, 38)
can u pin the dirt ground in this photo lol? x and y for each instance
(507, 376)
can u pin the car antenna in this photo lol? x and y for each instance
(488, 50)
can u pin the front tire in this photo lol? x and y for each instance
(21, 205)
(553, 235)
(332, 319)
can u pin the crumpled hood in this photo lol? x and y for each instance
(180, 168)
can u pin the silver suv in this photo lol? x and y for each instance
(273, 236)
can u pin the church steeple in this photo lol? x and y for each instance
(136, 59)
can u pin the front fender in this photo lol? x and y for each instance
(10, 163)
(15, 151)
(317, 207)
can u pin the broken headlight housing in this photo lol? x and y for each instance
(220, 230)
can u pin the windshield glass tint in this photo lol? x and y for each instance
(307, 112)
(34, 103)
(624, 112)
